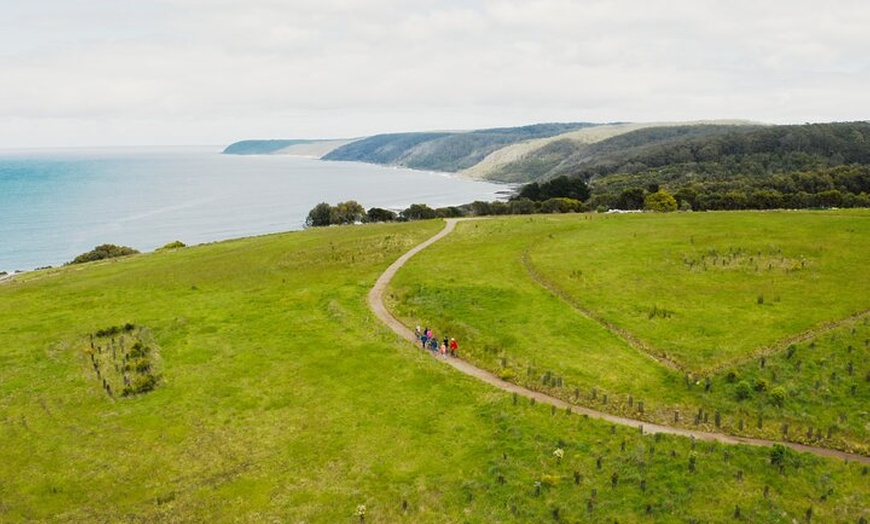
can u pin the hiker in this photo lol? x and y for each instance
(453, 347)
(444, 350)
(433, 345)
(424, 337)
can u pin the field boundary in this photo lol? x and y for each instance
(376, 304)
(660, 356)
(633, 341)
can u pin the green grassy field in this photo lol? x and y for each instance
(280, 398)
(580, 306)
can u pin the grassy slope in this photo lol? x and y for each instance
(619, 267)
(284, 400)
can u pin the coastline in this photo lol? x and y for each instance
(79, 199)
(10, 275)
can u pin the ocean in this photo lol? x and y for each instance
(56, 204)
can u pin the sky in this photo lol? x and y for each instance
(197, 72)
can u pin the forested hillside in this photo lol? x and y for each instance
(814, 165)
(568, 156)
(443, 151)
(729, 151)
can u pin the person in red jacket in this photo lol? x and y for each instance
(453, 347)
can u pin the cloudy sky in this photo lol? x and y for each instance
(154, 72)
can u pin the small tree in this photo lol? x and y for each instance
(778, 396)
(661, 202)
(743, 390)
(631, 198)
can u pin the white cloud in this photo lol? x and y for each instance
(198, 71)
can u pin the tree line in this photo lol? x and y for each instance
(840, 187)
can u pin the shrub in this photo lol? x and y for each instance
(561, 205)
(138, 350)
(550, 481)
(660, 201)
(782, 456)
(778, 396)
(177, 244)
(761, 384)
(742, 390)
(103, 252)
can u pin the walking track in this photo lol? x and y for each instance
(376, 303)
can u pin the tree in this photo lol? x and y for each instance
(418, 212)
(349, 212)
(522, 206)
(631, 198)
(321, 215)
(377, 214)
(661, 202)
(560, 187)
(480, 208)
(448, 212)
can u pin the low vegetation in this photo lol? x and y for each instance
(283, 399)
(103, 252)
(124, 360)
(608, 312)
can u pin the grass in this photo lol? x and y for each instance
(283, 399)
(587, 299)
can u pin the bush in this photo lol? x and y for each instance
(778, 396)
(782, 456)
(761, 384)
(660, 201)
(177, 244)
(103, 252)
(743, 390)
(561, 205)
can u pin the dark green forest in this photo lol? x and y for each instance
(808, 166)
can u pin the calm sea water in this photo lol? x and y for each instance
(55, 205)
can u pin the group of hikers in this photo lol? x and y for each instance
(429, 341)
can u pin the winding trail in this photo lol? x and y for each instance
(376, 303)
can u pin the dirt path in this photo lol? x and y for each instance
(376, 303)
